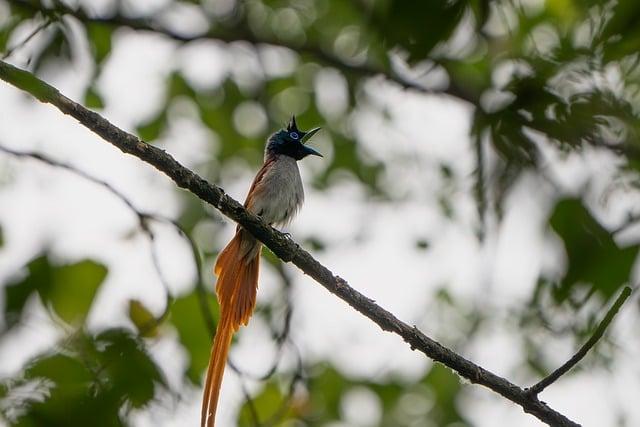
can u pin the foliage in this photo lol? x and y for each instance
(554, 76)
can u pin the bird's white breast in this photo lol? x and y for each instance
(281, 192)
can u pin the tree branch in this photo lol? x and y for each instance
(144, 329)
(240, 34)
(580, 354)
(142, 217)
(282, 246)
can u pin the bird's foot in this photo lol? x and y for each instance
(287, 236)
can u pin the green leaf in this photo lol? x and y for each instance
(71, 398)
(67, 289)
(92, 99)
(595, 260)
(17, 293)
(92, 380)
(187, 317)
(152, 129)
(267, 405)
(446, 386)
(131, 371)
(72, 288)
(144, 320)
(419, 26)
(59, 368)
(99, 36)
(6, 31)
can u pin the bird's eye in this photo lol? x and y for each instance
(294, 135)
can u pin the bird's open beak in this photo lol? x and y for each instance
(310, 151)
(305, 138)
(309, 134)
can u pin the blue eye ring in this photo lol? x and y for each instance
(294, 135)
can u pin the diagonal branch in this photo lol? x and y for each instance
(281, 245)
(143, 219)
(580, 354)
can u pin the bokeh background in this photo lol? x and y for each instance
(480, 180)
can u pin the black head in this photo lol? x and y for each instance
(290, 142)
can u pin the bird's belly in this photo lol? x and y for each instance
(281, 194)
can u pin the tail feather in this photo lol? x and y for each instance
(237, 268)
(217, 362)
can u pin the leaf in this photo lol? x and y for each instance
(419, 26)
(17, 293)
(72, 288)
(143, 319)
(99, 36)
(70, 400)
(187, 317)
(153, 128)
(446, 387)
(93, 380)
(267, 405)
(56, 47)
(132, 373)
(595, 260)
(92, 99)
(6, 31)
(59, 368)
(67, 289)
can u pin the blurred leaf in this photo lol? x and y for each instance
(267, 405)
(151, 130)
(94, 380)
(422, 244)
(144, 320)
(67, 289)
(71, 289)
(16, 293)
(99, 36)
(131, 371)
(187, 317)
(595, 260)
(56, 47)
(6, 30)
(92, 99)
(404, 23)
(59, 368)
(71, 399)
(315, 243)
(446, 387)
(326, 390)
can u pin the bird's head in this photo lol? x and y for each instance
(291, 142)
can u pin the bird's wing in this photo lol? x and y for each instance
(255, 190)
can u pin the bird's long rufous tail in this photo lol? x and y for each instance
(237, 269)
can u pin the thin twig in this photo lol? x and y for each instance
(48, 21)
(580, 354)
(145, 227)
(141, 216)
(243, 34)
(631, 220)
(279, 243)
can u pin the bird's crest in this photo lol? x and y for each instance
(292, 126)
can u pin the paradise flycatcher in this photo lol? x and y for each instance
(275, 195)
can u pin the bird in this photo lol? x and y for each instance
(275, 195)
